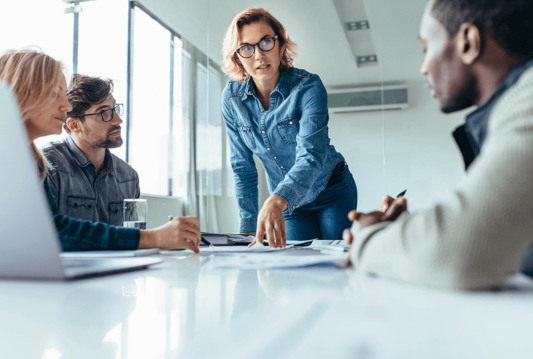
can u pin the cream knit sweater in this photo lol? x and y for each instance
(476, 238)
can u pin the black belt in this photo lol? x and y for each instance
(336, 176)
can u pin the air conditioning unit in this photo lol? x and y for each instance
(368, 99)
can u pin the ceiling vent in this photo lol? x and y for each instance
(368, 99)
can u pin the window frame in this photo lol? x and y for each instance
(133, 5)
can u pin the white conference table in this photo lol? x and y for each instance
(188, 308)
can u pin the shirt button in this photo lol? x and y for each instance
(282, 167)
(262, 131)
(268, 148)
(275, 158)
(290, 123)
(242, 128)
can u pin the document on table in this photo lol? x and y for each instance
(258, 248)
(330, 245)
(110, 254)
(281, 262)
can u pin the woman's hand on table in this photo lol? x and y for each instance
(272, 222)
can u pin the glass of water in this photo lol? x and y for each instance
(135, 213)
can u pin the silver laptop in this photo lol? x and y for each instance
(29, 245)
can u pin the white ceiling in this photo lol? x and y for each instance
(315, 26)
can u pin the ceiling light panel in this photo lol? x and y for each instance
(357, 25)
(353, 17)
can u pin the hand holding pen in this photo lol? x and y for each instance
(203, 240)
(387, 200)
(389, 210)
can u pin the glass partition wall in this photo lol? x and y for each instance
(404, 142)
(165, 59)
(388, 128)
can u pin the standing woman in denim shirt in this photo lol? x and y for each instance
(280, 114)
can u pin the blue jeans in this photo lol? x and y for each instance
(327, 216)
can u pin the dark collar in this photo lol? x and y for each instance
(471, 136)
(78, 156)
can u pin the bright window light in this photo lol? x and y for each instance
(209, 131)
(151, 97)
(43, 24)
(181, 120)
(103, 50)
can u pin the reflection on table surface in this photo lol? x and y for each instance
(186, 305)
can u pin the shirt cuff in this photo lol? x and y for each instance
(127, 239)
(248, 226)
(361, 238)
(288, 195)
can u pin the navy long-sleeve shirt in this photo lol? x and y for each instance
(79, 235)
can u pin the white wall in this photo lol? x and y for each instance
(420, 152)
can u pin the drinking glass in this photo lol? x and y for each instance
(135, 213)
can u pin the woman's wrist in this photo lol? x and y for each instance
(278, 202)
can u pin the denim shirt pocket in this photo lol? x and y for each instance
(81, 207)
(288, 129)
(116, 216)
(247, 135)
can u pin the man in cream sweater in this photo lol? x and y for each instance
(477, 52)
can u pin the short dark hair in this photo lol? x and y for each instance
(84, 92)
(508, 22)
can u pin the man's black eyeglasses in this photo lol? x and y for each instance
(266, 44)
(107, 115)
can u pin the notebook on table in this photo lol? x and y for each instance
(243, 240)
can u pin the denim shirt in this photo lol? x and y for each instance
(82, 193)
(290, 139)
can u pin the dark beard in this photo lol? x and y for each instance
(108, 142)
(461, 100)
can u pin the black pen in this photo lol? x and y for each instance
(205, 241)
(401, 194)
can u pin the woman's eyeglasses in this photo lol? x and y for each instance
(265, 44)
(107, 115)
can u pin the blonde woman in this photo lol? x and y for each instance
(280, 113)
(39, 84)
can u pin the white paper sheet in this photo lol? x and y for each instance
(280, 262)
(257, 248)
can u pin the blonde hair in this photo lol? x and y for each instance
(288, 49)
(32, 75)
